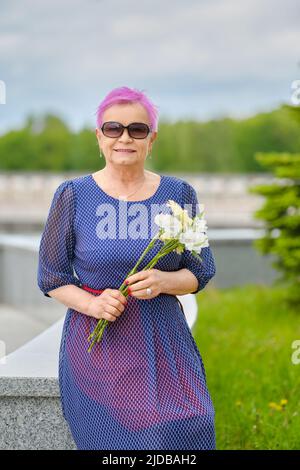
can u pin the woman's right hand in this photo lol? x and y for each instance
(109, 305)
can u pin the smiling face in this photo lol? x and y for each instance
(125, 114)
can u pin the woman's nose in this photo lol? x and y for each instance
(125, 136)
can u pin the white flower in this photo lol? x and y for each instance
(181, 214)
(189, 232)
(199, 224)
(170, 225)
(193, 240)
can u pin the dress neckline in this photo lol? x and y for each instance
(162, 177)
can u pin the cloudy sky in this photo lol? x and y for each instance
(194, 58)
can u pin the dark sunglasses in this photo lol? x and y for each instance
(136, 130)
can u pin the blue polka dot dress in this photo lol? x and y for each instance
(143, 387)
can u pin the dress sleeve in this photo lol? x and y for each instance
(206, 269)
(55, 268)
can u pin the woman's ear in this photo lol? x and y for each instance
(98, 135)
(153, 136)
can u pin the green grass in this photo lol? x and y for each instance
(244, 335)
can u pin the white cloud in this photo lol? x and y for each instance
(66, 53)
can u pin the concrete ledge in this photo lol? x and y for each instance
(37, 358)
(31, 415)
(33, 423)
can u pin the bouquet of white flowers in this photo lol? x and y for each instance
(178, 232)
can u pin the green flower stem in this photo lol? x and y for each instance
(134, 269)
(170, 246)
(90, 348)
(98, 335)
(102, 328)
(96, 329)
(101, 333)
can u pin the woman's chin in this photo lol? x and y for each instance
(125, 159)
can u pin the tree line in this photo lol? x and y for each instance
(224, 145)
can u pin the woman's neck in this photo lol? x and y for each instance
(124, 178)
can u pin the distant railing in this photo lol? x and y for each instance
(25, 198)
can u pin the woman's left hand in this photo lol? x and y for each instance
(151, 278)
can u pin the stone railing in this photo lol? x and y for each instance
(25, 198)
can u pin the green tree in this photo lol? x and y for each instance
(281, 213)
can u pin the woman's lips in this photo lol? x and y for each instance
(125, 151)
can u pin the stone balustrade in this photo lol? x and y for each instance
(25, 198)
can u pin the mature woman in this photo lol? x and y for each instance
(144, 385)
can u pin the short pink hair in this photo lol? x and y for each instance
(128, 95)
